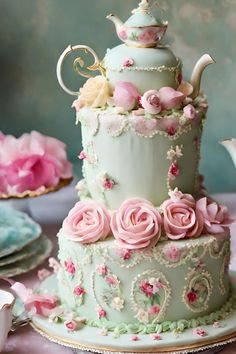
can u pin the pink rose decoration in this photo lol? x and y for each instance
(136, 224)
(125, 95)
(101, 269)
(43, 304)
(174, 170)
(180, 219)
(128, 62)
(70, 267)
(190, 112)
(153, 310)
(216, 217)
(79, 291)
(151, 102)
(71, 325)
(101, 313)
(122, 33)
(87, 222)
(170, 98)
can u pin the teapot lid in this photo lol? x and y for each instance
(143, 16)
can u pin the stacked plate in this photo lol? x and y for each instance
(22, 245)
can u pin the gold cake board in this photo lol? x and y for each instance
(88, 338)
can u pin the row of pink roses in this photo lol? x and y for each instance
(137, 224)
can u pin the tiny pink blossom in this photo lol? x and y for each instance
(199, 332)
(172, 253)
(70, 325)
(128, 62)
(190, 112)
(134, 338)
(111, 280)
(174, 170)
(122, 33)
(155, 336)
(82, 155)
(125, 254)
(108, 184)
(101, 269)
(101, 313)
(70, 267)
(78, 290)
(170, 98)
(153, 310)
(43, 274)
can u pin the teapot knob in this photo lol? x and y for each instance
(78, 65)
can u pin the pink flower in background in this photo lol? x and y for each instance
(87, 222)
(125, 95)
(136, 224)
(43, 274)
(170, 98)
(122, 33)
(180, 218)
(69, 267)
(151, 102)
(71, 325)
(174, 170)
(101, 269)
(192, 297)
(128, 62)
(101, 313)
(216, 217)
(78, 290)
(190, 112)
(153, 310)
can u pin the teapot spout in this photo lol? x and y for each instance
(117, 22)
(201, 64)
(230, 145)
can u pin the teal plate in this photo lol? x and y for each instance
(17, 230)
(24, 266)
(27, 252)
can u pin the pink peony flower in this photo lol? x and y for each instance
(136, 224)
(216, 217)
(153, 310)
(147, 288)
(101, 269)
(174, 170)
(170, 98)
(125, 95)
(101, 313)
(87, 222)
(78, 290)
(180, 218)
(70, 267)
(128, 62)
(190, 112)
(151, 102)
(192, 297)
(43, 274)
(71, 325)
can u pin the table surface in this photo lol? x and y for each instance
(27, 341)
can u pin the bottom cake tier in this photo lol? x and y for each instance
(174, 285)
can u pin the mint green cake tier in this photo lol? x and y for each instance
(153, 68)
(137, 160)
(175, 284)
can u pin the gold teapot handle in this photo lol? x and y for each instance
(78, 65)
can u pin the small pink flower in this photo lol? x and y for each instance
(199, 332)
(70, 325)
(111, 280)
(101, 269)
(108, 184)
(146, 288)
(192, 297)
(170, 98)
(151, 102)
(155, 336)
(172, 253)
(153, 310)
(70, 267)
(101, 313)
(124, 253)
(190, 112)
(82, 155)
(171, 130)
(122, 33)
(134, 338)
(174, 170)
(43, 274)
(78, 290)
(125, 95)
(128, 62)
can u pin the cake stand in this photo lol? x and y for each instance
(89, 339)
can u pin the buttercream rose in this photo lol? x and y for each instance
(87, 222)
(136, 224)
(170, 98)
(151, 102)
(125, 95)
(180, 219)
(215, 217)
(94, 93)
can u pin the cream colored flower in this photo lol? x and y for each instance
(95, 92)
(117, 303)
(142, 316)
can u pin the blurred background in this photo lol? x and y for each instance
(33, 33)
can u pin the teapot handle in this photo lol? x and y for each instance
(78, 62)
